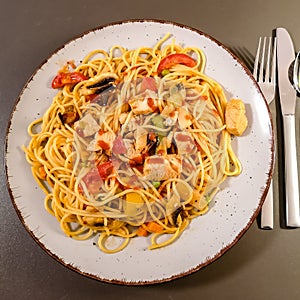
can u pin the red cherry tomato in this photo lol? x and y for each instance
(65, 78)
(175, 59)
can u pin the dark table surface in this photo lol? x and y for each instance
(264, 264)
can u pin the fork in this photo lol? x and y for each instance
(264, 73)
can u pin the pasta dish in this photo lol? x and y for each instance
(136, 143)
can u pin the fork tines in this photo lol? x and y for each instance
(265, 50)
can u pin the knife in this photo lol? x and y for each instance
(287, 94)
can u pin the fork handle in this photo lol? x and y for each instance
(291, 172)
(267, 220)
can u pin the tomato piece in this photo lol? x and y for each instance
(103, 145)
(119, 146)
(93, 179)
(175, 59)
(148, 83)
(65, 78)
(105, 169)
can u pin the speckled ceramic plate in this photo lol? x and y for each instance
(207, 237)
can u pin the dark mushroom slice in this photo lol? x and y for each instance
(103, 85)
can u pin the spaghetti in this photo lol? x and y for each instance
(134, 143)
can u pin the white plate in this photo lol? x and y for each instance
(207, 237)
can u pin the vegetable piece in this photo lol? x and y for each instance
(42, 173)
(107, 88)
(142, 231)
(158, 121)
(184, 191)
(105, 169)
(154, 227)
(106, 82)
(134, 202)
(177, 95)
(165, 73)
(67, 78)
(175, 59)
(156, 184)
(200, 202)
(176, 214)
(107, 85)
(134, 198)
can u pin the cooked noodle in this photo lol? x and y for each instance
(125, 201)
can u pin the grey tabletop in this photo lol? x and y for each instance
(264, 264)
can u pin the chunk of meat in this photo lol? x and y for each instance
(145, 105)
(170, 114)
(185, 143)
(142, 106)
(103, 141)
(184, 118)
(235, 117)
(140, 139)
(131, 153)
(158, 168)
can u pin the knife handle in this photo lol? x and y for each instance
(291, 172)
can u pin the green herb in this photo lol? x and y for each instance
(158, 121)
(156, 184)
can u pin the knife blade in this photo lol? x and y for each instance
(287, 94)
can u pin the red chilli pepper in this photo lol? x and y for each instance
(175, 59)
(65, 78)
